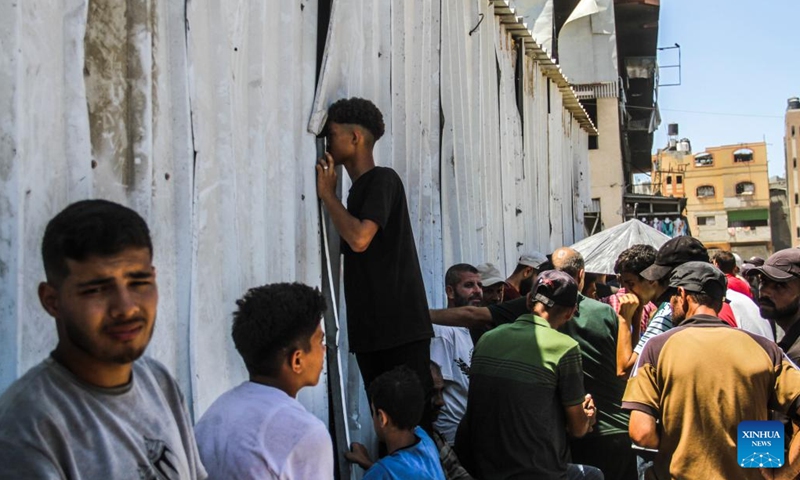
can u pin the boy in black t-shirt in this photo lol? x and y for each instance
(387, 309)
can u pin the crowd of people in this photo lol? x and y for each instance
(532, 375)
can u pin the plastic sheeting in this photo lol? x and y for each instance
(538, 15)
(587, 43)
(600, 251)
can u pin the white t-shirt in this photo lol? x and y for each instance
(255, 431)
(748, 317)
(451, 349)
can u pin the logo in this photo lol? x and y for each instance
(760, 444)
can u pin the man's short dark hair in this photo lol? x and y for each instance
(635, 259)
(706, 300)
(453, 275)
(399, 393)
(273, 321)
(358, 111)
(725, 261)
(87, 228)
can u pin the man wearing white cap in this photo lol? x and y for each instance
(493, 284)
(520, 282)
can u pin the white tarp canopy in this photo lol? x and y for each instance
(600, 251)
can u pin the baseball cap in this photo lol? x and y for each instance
(700, 277)
(490, 275)
(554, 287)
(746, 268)
(757, 261)
(532, 259)
(675, 252)
(781, 266)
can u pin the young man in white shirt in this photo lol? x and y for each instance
(258, 429)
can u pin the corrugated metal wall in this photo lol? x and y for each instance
(188, 114)
(197, 115)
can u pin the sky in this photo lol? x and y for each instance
(740, 63)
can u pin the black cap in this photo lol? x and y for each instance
(700, 277)
(675, 252)
(757, 261)
(781, 266)
(554, 287)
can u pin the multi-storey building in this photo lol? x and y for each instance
(791, 144)
(727, 195)
(608, 54)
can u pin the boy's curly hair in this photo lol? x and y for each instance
(358, 111)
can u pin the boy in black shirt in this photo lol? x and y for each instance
(387, 308)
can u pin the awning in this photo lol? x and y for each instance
(748, 215)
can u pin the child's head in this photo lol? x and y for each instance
(397, 400)
(277, 329)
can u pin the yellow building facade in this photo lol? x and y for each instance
(791, 150)
(727, 193)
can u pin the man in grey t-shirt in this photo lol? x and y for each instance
(95, 409)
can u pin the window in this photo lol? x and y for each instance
(794, 162)
(590, 105)
(705, 191)
(706, 221)
(748, 218)
(743, 155)
(745, 188)
(669, 179)
(793, 136)
(796, 199)
(703, 160)
(679, 179)
(798, 231)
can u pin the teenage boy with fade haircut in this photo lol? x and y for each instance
(694, 384)
(526, 393)
(96, 407)
(388, 323)
(451, 348)
(396, 399)
(258, 429)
